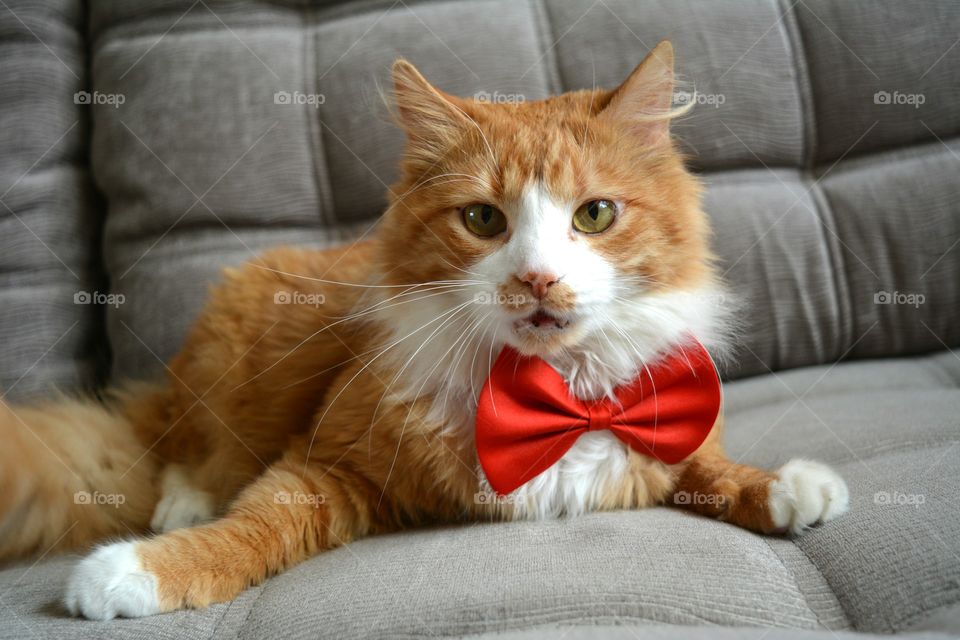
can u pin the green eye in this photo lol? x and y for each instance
(484, 220)
(594, 216)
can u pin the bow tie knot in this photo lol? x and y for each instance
(527, 419)
(599, 416)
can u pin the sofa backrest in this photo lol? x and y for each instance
(51, 332)
(825, 130)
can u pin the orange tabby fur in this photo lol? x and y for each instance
(244, 406)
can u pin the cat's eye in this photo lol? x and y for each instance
(484, 220)
(594, 216)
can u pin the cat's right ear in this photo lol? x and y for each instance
(430, 117)
(642, 104)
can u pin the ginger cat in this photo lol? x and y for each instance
(566, 229)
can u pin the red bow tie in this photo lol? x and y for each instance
(527, 418)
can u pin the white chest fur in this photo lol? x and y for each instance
(577, 482)
(636, 336)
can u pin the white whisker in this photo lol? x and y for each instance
(329, 326)
(358, 284)
(403, 428)
(362, 369)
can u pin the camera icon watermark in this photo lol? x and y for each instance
(895, 97)
(899, 298)
(512, 300)
(698, 498)
(95, 297)
(299, 297)
(492, 498)
(683, 98)
(96, 498)
(112, 99)
(899, 499)
(299, 98)
(499, 98)
(299, 498)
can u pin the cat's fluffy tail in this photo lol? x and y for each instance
(75, 471)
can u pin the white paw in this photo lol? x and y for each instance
(182, 504)
(111, 582)
(807, 493)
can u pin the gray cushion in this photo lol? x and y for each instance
(823, 198)
(856, 49)
(741, 59)
(649, 632)
(49, 230)
(806, 245)
(889, 565)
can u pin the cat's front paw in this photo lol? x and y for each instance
(112, 582)
(182, 504)
(183, 508)
(806, 493)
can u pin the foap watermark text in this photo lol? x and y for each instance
(895, 97)
(899, 298)
(683, 98)
(299, 498)
(95, 297)
(899, 499)
(299, 297)
(698, 498)
(111, 99)
(499, 98)
(299, 98)
(96, 498)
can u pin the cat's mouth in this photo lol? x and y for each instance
(541, 321)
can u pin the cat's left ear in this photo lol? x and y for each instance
(643, 102)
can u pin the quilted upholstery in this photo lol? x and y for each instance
(826, 132)
(49, 214)
(890, 565)
(201, 167)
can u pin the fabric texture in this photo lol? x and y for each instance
(826, 134)
(50, 217)
(815, 192)
(632, 632)
(889, 565)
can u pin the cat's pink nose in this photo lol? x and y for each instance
(539, 282)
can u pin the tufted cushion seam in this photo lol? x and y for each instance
(794, 40)
(223, 616)
(335, 10)
(846, 613)
(802, 592)
(549, 63)
(777, 338)
(340, 9)
(320, 174)
(246, 618)
(950, 383)
(947, 147)
(840, 293)
(893, 449)
(831, 242)
(107, 37)
(318, 15)
(914, 618)
(951, 375)
(834, 394)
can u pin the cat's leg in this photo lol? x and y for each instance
(283, 518)
(798, 495)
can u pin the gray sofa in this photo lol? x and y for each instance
(146, 144)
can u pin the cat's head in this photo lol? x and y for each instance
(546, 224)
